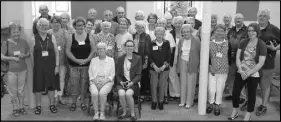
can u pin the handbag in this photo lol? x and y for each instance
(5, 64)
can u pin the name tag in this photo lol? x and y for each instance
(45, 53)
(81, 43)
(155, 47)
(16, 53)
(219, 55)
(109, 47)
(59, 48)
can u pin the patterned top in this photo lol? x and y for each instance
(219, 56)
(249, 60)
(110, 41)
(61, 38)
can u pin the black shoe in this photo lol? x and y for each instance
(217, 112)
(195, 100)
(228, 97)
(161, 105)
(241, 100)
(133, 118)
(209, 110)
(45, 93)
(153, 105)
(166, 100)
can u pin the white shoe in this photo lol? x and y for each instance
(102, 117)
(97, 116)
(181, 105)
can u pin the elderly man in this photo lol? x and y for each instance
(139, 16)
(101, 74)
(120, 13)
(108, 17)
(192, 12)
(270, 34)
(169, 18)
(235, 35)
(44, 11)
(92, 14)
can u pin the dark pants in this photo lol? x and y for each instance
(145, 82)
(252, 83)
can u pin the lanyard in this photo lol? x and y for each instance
(42, 45)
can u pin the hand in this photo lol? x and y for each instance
(240, 70)
(56, 70)
(144, 66)
(15, 59)
(122, 83)
(156, 69)
(212, 70)
(244, 75)
(49, 31)
(130, 84)
(163, 68)
(271, 46)
(21, 55)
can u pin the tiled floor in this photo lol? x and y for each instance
(171, 112)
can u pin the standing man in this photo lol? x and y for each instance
(270, 34)
(192, 12)
(44, 11)
(108, 17)
(235, 35)
(92, 16)
(120, 13)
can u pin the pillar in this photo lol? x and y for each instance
(204, 57)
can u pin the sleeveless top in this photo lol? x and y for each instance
(80, 51)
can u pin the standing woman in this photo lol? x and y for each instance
(188, 65)
(61, 38)
(66, 24)
(250, 58)
(139, 16)
(152, 20)
(142, 44)
(176, 33)
(191, 21)
(128, 75)
(90, 27)
(46, 65)
(159, 61)
(79, 50)
(219, 66)
(15, 50)
(122, 36)
(108, 38)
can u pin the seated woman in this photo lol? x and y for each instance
(128, 74)
(101, 74)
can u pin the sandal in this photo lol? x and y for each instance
(16, 112)
(244, 106)
(53, 109)
(83, 106)
(141, 99)
(73, 107)
(23, 111)
(37, 110)
(120, 117)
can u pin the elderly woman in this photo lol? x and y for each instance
(176, 33)
(122, 36)
(46, 65)
(139, 16)
(152, 21)
(168, 36)
(159, 63)
(108, 15)
(142, 44)
(66, 24)
(227, 19)
(250, 59)
(169, 19)
(108, 38)
(61, 38)
(15, 50)
(191, 21)
(101, 74)
(214, 21)
(79, 50)
(128, 75)
(270, 34)
(188, 64)
(218, 68)
(192, 12)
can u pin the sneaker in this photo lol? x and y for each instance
(96, 116)
(102, 116)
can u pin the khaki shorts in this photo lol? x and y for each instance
(266, 78)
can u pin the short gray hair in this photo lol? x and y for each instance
(214, 15)
(168, 16)
(107, 11)
(141, 24)
(239, 15)
(187, 26)
(40, 7)
(105, 23)
(92, 9)
(120, 7)
(102, 45)
(42, 21)
(139, 12)
(263, 11)
(159, 29)
(162, 20)
(227, 16)
(177, 19)
(192, 8)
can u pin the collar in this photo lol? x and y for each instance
(219, 42)
(49, 17)
(106, 59)
(159, 44)
(265, 28)
(242, 28)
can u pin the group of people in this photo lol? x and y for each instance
(158, 57)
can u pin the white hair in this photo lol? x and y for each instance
(120, 7)
(92, 9)
(40, 7)
(42, 21)
(192, 8)
(178, 19)
(239, 15)
(139, 12)
(141, 24)
(107, 11)
(159, 29)
(105, 23)
(168, 15)
(65, 14)
(264, 11)
(187, 26)
(227, 16)
(162, 20)
(102, 45)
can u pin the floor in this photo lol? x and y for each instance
(170, 112)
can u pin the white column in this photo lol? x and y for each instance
(204, 57)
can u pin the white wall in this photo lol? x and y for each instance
(222, 8)
(133, 6)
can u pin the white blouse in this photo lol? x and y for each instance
(127, 67)
(186, 49)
